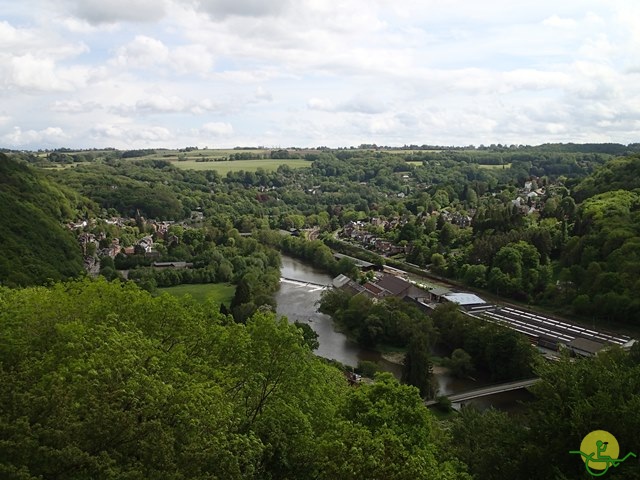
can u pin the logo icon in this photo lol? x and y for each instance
(600, 450)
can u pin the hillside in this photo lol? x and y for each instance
(618, 174)
(35, 246)
(602, 258)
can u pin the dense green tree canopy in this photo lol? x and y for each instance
(35, 247)
(101, 380)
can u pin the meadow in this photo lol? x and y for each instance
(217, 292)
(494, 167)
(222, 167)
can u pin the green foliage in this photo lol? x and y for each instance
(417, 367)
(35, 247)
(503, 353)
(573, 398)
(607, 245)
(389, 321)
(309, 335)
(492, 444)
(368, 369)
(101, 380)
(460, 363)
(618, 174)
(386, 421)
(576, 397)
(128, 187)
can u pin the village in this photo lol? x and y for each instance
(138, 236)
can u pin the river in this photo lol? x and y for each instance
(299, 303)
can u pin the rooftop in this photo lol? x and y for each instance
(464, 298)
(586, 345)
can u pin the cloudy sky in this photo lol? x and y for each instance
(221, 73)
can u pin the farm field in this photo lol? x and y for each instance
(495, 167)
(211, 153)
(218, 292)
(222, 167)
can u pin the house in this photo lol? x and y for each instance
(112, 250)
(390, 285)
(197, 216)
(375, 291)
(436, 294)
(146, 243)
(340, 281)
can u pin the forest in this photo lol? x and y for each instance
(105, 378)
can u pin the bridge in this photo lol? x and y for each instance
(486, 391)
(304, 283)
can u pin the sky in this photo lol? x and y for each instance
(308, 73)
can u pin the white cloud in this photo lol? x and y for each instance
(158, 103)
(263, 94)
(129, 135)
(217, 129)
(48, 136)
(148, 72)
(556, 21)
(243, 8)
(80, 26)
(357, 104)
(111, 11)
(145, 52)
(142, 52)
(152, 103)
(384, 125)
(191, 59)
(30, 73)
(73, 106)
(321, 104)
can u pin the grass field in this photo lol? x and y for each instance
(218, 292)
(410, 152)
(174, 155)
(495, 167)
(247, 165)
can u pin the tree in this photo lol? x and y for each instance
(417, 368)
(385, 431)
(35, 246)
(480, 439)
(572, 399)
(460, 363)
(509, 354)
(125, 390)
(309, 334)
(448, 234)
(101, 380)
(242, 294)
(476, 276)
(438, 262)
